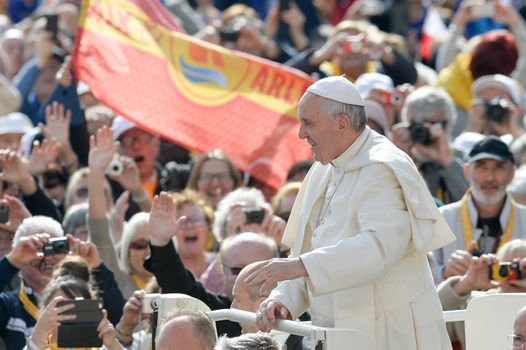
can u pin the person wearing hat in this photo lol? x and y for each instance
(359, 231)
(486, 217)
(12, 127)
(496, 106)
(141, 148)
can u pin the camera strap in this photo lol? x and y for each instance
(155, 317)
(467, 228)
(28, 305)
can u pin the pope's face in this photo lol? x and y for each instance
(318, 128)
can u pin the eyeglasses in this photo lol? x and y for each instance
(127, 141)
(41, 264)
(517, 341)
(234, 271)
(139, 244)
(194, 221)
(221, 177)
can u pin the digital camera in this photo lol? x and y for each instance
(505, 271)
(420, 133)
(497, 109)
(115, 167)
(253, 216)
(354, 44)
(57, 245)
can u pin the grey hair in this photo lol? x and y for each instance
(427, 101)
(251, 197)
(356, 114)
(135, 223)
(249, 237)
(201, 323)
(248, 341)
(76, 215)
(37, 224)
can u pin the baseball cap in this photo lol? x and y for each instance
(120, 126)
(490, 148)
(376, 113)
(498, 81)
(368, 81)
(15, 123)
(337, 88)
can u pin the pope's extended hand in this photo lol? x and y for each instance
(274, 271)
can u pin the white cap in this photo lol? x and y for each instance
(120, 126)
(368, 81)
(82, 88)
(498, 81)
(337, 88)
(15, 123)
(376, 113)
(465, 141)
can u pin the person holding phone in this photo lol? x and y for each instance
(71, 280)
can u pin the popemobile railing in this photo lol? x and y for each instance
(320, 337)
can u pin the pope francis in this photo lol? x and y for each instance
(359, 231)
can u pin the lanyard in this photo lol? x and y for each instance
(468, 229)
(138, 281)
(31, 308)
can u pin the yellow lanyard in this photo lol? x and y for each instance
(31, 308)
(139, 282)
(468, 229)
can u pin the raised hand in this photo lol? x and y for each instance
(87, 250)
(17, 213)
(106, 332)
(57, 123)
(16, 171)
(42, 155)
(163, 224)
(49, 319)
(129, 178)
(27, 249)
(102, 149)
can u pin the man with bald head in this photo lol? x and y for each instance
(186, 330)
(360, 229)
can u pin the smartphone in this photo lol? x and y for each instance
(482, 10)
(82, 331)
(52, 25)
(4, 213)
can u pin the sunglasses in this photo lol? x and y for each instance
(234, 271)
(140, 244)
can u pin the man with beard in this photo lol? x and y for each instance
(486, 217)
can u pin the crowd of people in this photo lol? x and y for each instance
(139, 214)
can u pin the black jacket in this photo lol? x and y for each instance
(173, 277)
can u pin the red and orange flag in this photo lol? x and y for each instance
(201, 96)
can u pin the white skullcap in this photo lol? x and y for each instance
(337, 88)
(368, 81)
(498, 81)
(120, 126)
